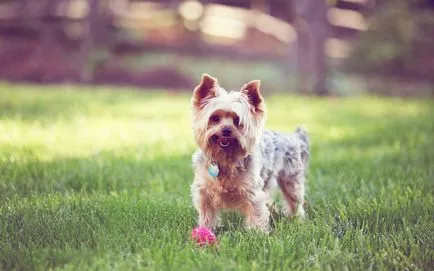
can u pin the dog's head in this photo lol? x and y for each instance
(227, 125)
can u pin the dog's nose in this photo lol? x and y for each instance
(226, 131)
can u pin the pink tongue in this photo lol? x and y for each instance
(224, 140)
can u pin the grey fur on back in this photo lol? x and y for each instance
(283, 156)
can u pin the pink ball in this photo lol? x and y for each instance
(203, 236)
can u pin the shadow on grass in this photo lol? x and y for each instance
(126, 222)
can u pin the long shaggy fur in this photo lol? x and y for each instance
(252, 162)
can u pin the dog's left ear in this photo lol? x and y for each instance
(206, 88)
(251, 90)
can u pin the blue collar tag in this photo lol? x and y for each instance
(213, 170)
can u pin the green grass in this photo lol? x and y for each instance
(99, 179)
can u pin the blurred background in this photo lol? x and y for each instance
(315, 47)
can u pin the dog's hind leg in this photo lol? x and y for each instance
(292, 188)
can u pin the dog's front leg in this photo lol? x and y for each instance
(208, 216)
(257, 214)
(204, 204)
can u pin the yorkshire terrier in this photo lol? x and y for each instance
(238, 163)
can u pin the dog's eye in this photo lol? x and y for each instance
(237, 121)
(215, 118)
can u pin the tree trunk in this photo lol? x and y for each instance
(303, 56)
(312, 29)
(88, 41)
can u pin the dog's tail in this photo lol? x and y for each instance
(302, 134)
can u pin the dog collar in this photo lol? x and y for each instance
(213, 169)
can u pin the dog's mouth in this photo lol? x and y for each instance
(224, 142)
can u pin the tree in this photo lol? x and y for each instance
(312, 29)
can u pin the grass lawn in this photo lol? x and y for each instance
(99, 179)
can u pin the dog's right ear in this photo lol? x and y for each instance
(206, 89)
(251, 90)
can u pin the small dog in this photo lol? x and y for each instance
(238, 163)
